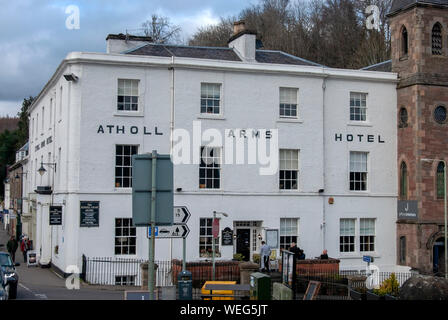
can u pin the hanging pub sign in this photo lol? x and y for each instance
(90, 214)
(55, 215)
(227, 237)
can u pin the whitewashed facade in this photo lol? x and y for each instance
(77, 126)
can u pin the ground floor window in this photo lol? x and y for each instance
(124, 280)
(347, 235)
(367, 235)
(125, 236)
(288, 232)
(206, 238)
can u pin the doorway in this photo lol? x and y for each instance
(439, 256)
(243, 243)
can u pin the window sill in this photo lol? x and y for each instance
(359, 124)
(289, 120)
(211, 116)
(129, 114)
(123, 190)
(357, 255)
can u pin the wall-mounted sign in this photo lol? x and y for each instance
(117, 129)
(272, 238)
(90, 214)
(227, 237)
(407, 210)
(55, 215)
(370, 138)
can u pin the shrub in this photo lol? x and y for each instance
(389, 286)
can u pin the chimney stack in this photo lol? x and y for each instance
(243, 41)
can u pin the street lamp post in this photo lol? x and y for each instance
(445, 211)
(213, 243)
(18, 176)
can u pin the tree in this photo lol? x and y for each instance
(23, 125)
(161, 30)
(8, 142)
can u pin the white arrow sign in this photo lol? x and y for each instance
(174, 231)
(181, 215)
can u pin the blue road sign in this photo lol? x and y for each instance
(367, 259)
(156, 231)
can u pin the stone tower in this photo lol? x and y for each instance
(419, 43)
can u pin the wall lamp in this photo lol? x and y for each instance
(70, 77)
(42, 170)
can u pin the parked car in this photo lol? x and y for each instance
(9, 273)
(4, 287)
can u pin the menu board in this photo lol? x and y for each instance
(227, 237)
(55, 215)
(90, 214)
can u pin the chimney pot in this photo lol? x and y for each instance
(239, 26)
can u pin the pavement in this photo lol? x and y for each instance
(36, 283)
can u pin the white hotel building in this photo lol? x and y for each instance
(336, 184)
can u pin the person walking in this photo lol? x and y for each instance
(265, 254)
(24, 247)
(12, 248)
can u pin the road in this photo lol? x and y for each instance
(36, 283)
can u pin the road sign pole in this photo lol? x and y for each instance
(153, 227)
(184, 254)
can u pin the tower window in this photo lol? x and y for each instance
(440, 114)
(403, 116)
(403, 181)
(440, 180)
(437, 39)
(404, 41)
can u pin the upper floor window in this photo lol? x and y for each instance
(123, 165)
(403, 118)
(127, 99)
(289, 169)
(358, 106)
(440, 114)
(358, 171)
(288, 102)
(404, 42)
(211, 98)
(210, 168)
(403, 180)
(440, 180)
(437, 39)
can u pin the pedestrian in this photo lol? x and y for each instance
(265, 254)
(297, 251)
(12, 248)
(24, 247)
(324, 255)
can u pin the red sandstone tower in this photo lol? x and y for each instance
(419, 31)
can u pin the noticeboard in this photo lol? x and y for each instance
(272, 238)
(55, 215)
(227, 237)
(89, 214)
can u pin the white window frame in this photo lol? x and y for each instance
(210, 98)
(354, 244)
(289, 162)
(122, 166)
(360, 107)
(208, 234)
(132, 94)
(290, 230)
(127, 236)
(362, 222)
(210, 169)
(289, 102)
(366, 172)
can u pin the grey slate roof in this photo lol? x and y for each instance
(399, 5)
(385, 66)
(216, 53)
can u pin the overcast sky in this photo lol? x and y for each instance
(34, 37)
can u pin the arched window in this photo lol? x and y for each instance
(440, 180)
(403, 180)
(404, 41)
(437, 39)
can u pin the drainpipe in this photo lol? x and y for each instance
(324, 87)
(171, 68)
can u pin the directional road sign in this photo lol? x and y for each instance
(181, 215)
(175, 231)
